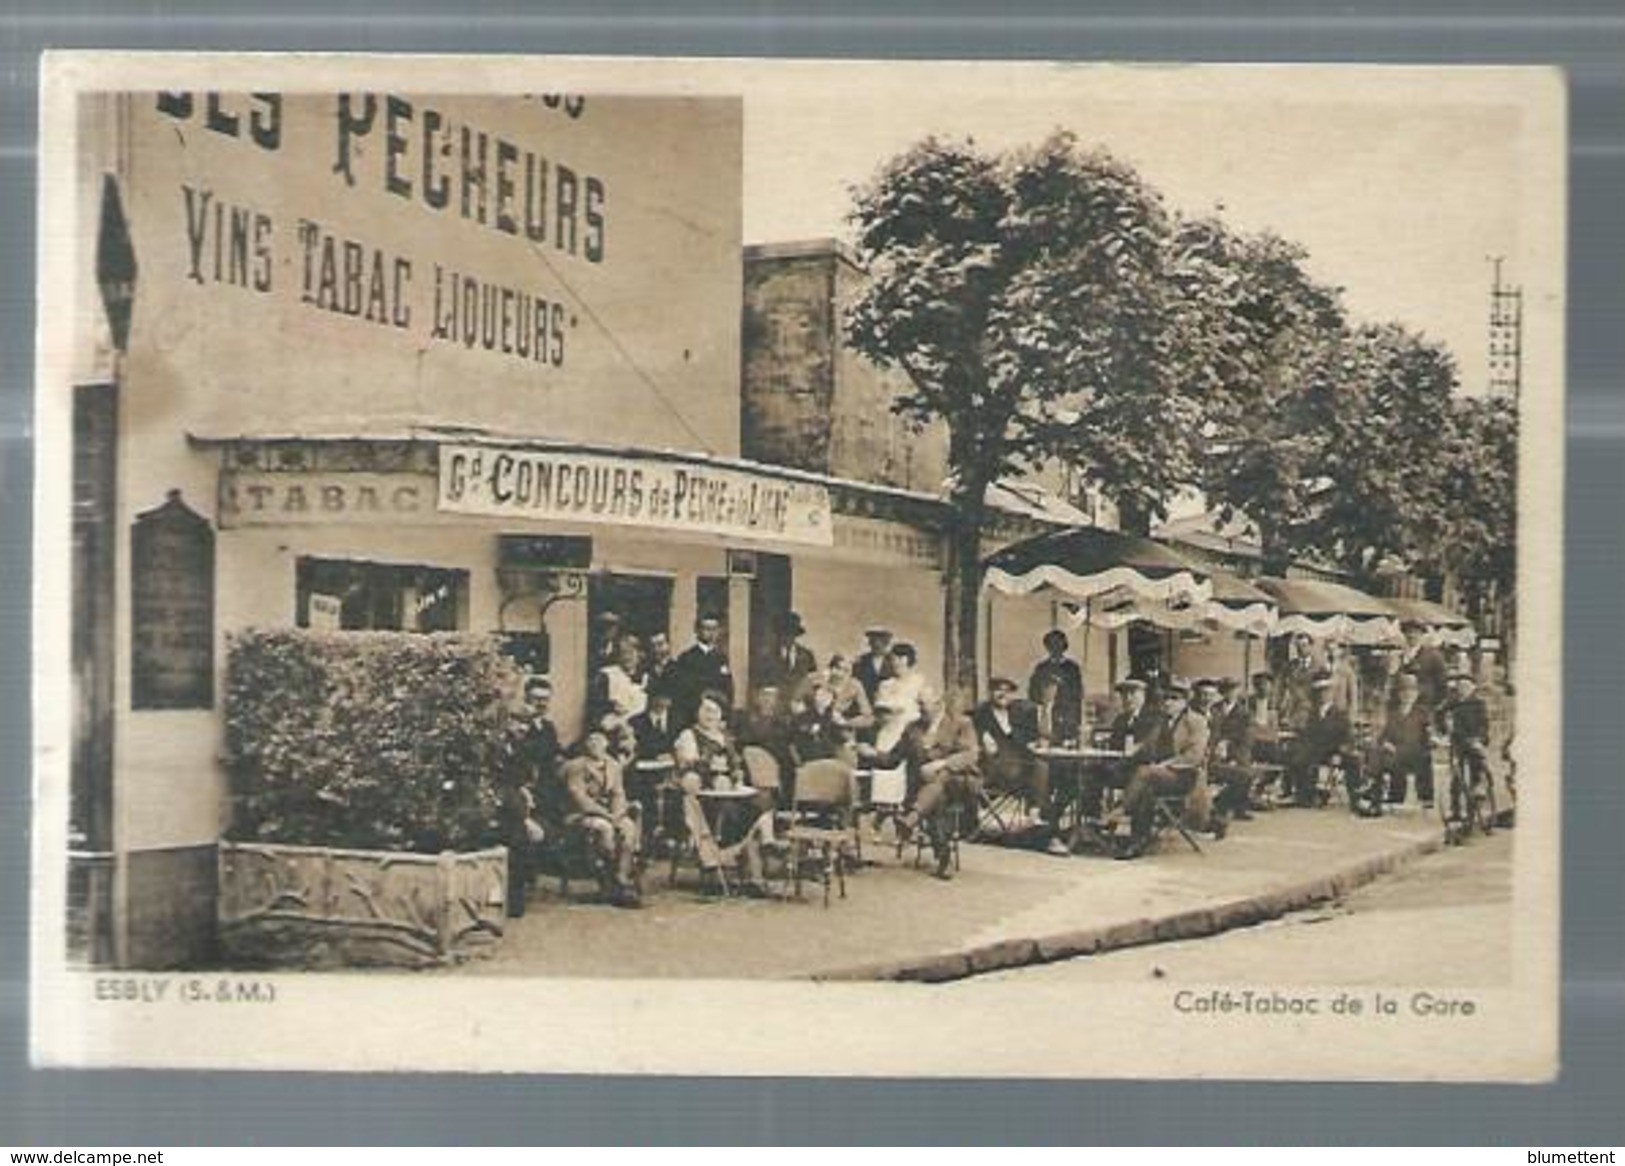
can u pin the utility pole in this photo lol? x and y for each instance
(1506, 335)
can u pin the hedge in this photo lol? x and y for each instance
(367, 740)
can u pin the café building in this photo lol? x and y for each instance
(383, 361)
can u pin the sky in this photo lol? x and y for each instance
(1399, 189)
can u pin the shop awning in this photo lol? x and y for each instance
(1238, 605)
(1440, 624)
(1088, 563)
(1331, 611)
(1233, 604)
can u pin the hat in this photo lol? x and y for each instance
(1263, 678)
(791, 624)
(1321, 680)
(538, 686)
(1228, 684)
(1001, 684)
(876, 631)
(1409, 680)
(1131, 685)
(1463, 674)
(1205, 682)
(1176, 686)
(608, 617)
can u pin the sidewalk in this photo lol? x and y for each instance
(1005, 908)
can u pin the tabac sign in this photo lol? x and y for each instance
(664, 494)
(459, 258)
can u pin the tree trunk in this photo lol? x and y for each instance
(1274, 554)
(1134, 515)
(963, 606)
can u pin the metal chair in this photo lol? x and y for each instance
(820, 826)
(763, 770)
(1169, 809)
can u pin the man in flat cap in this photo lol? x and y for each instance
(1007, 733)
(870, 668)
(1137, 732)
(1230, 764)
(1465, 718)
(1180, 770)
(1322, 741)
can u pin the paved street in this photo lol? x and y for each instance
(899, 916)
(1446, 919)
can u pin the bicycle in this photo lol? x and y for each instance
(1469, 803)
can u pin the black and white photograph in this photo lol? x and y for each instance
(769, 567)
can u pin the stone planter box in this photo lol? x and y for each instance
(314, 906)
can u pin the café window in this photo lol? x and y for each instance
(352, 595)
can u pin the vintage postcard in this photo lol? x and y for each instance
(768, 567)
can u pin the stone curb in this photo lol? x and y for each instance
(1192, 923)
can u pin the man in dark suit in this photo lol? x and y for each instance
(655, 728)
(1230, 753)
(1427, 664)
(793, 661)
(702, 667)
(1061, 670)
(1322, 741)
(1175, 768)
(1136, 731)
(1405, 746)
(765, 725)
(1007, 734)
(536, 740)
(870, 669)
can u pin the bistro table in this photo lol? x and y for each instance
(718, 805)
(1079, 761)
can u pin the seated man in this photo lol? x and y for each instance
(1182, 753)
(817, 731)
(1136, 731)
(1230, 757)
(1323, 739)
(1405, 746)
(596, 804)
(766, 725)
(654, 729)
(940, 753)
(654, 733)
(1007, 735)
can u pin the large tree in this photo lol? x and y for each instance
(1268, 345)
(1386, 423)
(1476, 529)
(1024, 296)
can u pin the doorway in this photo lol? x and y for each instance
(641, 605)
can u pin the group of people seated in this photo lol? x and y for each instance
(1224, 753)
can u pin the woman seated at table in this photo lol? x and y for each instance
(708, 759)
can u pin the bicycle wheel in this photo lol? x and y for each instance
(1455, 808)
(1484, 803)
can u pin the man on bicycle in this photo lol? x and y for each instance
(1464, 718)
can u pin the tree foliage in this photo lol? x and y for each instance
(1045, 304)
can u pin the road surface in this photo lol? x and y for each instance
(1446, 920)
